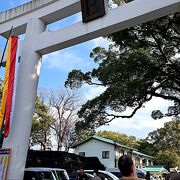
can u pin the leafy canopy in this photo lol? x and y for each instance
(142, 62)
(120, 138)
(164, 144)
(166, 137)
(41, 126)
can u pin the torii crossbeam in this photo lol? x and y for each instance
(32, 19)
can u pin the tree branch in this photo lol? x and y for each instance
(93, 83)
(125, 116)
(159, 46)
(166, 97)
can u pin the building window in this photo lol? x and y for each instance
(82, 154)
(105, 155)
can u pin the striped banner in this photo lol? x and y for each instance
(6, 77)
(8, 89)
(14, 43)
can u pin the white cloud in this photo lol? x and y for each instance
(65, 60)
(137, 126)
(100, 42)
(154, 104)
(70, 58)
(93, 91)
(141, 123)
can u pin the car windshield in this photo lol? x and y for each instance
(46, 175)
(38, 175)
(60, 175)
(103, 174)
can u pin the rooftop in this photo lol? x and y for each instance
(142, 154)
(109, 141)
(158, 169)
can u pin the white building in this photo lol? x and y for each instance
(108, 152)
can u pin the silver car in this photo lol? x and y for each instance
(38, 173)
(104, 175)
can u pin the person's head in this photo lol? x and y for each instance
(175, 176)
(95, 172)
(148, 174)
(126, 166)
(81, 170)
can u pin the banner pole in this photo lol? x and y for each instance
(5, 46)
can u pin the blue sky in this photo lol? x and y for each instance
(55, 68)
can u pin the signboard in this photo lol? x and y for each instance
(4, 162)
(92, 9)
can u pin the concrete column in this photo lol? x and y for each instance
(147, 162)
(27, 82)
(140, 162)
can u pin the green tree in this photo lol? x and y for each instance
(168, 158)
(130, 141)
(164, 144)
(166, 137)
(41, 126)
(147, 148)
(141, 63)
(82, 133)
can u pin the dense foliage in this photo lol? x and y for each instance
(143, 62)
(120, 138)
(41, 126)
(164, 144)
(166, 137)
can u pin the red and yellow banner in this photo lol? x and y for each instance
(6, 104)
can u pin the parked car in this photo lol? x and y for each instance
(73, 175)
(59, 159)
(139, 172)
(37, 173)
(115, 171)
(105, 175)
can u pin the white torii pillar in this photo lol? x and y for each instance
(27, 82)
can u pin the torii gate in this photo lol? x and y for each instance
(31, 19)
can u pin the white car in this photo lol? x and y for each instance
(73, 175)
(105, 175)
(38, 173)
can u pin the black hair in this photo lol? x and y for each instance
(125, 164)
(96, 171)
